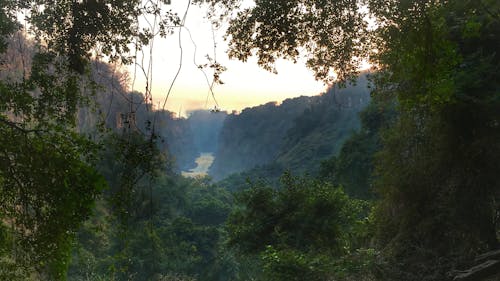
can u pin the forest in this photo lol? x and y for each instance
(391, 174)
(295, 135)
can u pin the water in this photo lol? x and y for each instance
(203, 163)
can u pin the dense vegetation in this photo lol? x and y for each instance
(88, 190)
(435, 173)
(295, 135)
(320, 131)
(254, 136)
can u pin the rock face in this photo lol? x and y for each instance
(488, 268)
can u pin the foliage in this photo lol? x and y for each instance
(170, 228)
(332, 34)
(88, 26)
(298, 231)
(295, 135)
(321, 130)
(448, 198)
(265, 174)
(439, 59)
(436, 173)
(48, 183)
(353, 167)
(291, 264)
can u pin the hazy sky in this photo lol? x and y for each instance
(245, 83)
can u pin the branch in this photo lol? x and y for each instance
(18, 127)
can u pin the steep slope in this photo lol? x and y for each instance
(296, 135)
(321, 130)
(178, 138)
(255, 136)
(117, 109)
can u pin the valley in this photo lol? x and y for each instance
(390, 174)
(295, 135)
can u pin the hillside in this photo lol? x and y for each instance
(319, 132)
(295, 135)
(119, 109)
(255, 136)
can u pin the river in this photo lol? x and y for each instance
(203, 163)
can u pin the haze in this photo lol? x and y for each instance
(245, 84)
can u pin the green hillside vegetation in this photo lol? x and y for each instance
(320, 131)
(303, 229)
(173, 228)
(254, 136)
(353, 168)
(315, 135)
(295, 135)
(114, 108)
(90, 191)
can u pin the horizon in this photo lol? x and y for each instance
(245, 83)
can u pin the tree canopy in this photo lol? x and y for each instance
(435, 173)
(48, 180)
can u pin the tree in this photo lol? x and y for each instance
(331, 35)
(48, 183)
(436, 171)
(439, 60)
(353, 167)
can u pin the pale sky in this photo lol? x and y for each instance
(245, 85)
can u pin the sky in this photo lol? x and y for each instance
(245, 84)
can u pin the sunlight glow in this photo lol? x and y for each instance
(245, 84)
